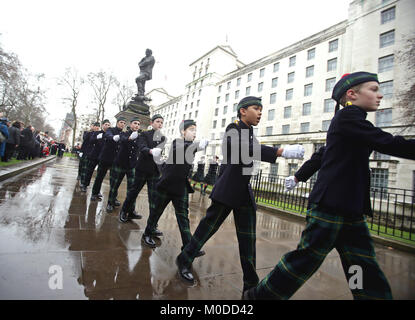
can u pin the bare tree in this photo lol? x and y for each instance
(124, 94)
(73, 82)
(406, 92)
(100, 82)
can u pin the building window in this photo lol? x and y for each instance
(236, 94)
(219, 89)
(235, 105)
(225, 109)
(276, 67)
(217, 100)
(213, 136)
(249, 77)
(325, 125)
(386, 88)
(387, 15)
(228, 85)
(333, 45)
(289, 94)
(379, 182)
(308, 90)
(292, 61)
(287, 112)
(223, 122)
(271, 114)
(273, 169)
(196, 113)
(306, 109)
(330, 84)
(247, 91)
(309, 71)
(198, 102)
(190, 115)
(200, 92)
(274, 82)
(332, 64)
(214, 124)
(227, 97)
(286, 129)
(305, 127)
(328, 105)
(233, 119)
(260, 86)
(387, 39)
(193, 95)
(292, 168)
(191, 105)
(385, 63)
(272, 98)
(311, 54)
(290, 77)
(268, 131)
(384, 117)
(185, 107)
(216, 111)
(261, 72)
(238, 82)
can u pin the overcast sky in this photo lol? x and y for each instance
(90, 35)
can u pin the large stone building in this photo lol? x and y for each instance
(295, 84)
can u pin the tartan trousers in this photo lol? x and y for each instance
(88, 171)
(140, 179)
(245, 224)
(83, 162)
(181, 208)
(323, 233)
(101, 172)
(116, 175)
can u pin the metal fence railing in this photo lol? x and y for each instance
(393, 208)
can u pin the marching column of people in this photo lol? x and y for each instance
(337, 204)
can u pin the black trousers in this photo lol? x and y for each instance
(8, 152)
(102, 171)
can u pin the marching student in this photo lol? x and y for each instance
(87, 148)
(150, 144)
(95, 146)
(173, 185)
(85, 143)
(211, 176)
(232, 191)
(124, 164)
(107, 156)
(340, 198)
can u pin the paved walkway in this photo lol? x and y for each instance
(46, 221)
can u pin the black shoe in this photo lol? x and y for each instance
(157, 233)
(134, 215)
(184, 272)
(95, 197)
(248, 294)
(83, 188)
(200, 253)
(117, 203)
(110, 208)
(146, 240)
(123, 216)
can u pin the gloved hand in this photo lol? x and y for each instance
(294, 151)
(116, 138)
(290, 183)
(99, 136)
(134, 135)
(80, 154)
(203, 143)
(156, 152)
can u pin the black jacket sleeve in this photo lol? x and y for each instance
(311, 166)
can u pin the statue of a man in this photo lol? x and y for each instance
(146, 66)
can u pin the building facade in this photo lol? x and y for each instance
(296, 83)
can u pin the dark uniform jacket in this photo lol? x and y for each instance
(311, 166)
(14, 136)
(26, 137)
(95, 145)
(174, 176)
(233, 187)
(126, 156)
(109, 150)
(343, 182)
(148, 140)
(85, 141)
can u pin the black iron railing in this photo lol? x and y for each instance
(393, 207)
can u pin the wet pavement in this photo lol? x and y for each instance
(47, 223)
